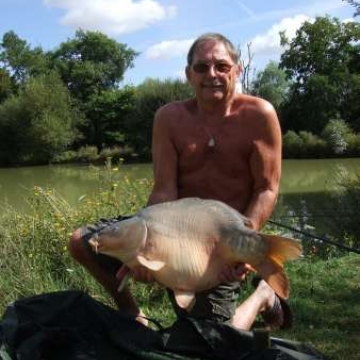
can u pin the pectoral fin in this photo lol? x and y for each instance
(154, 265)
(185, 299)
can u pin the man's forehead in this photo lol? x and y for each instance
(211, 50)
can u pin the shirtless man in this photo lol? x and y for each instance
(220, 145)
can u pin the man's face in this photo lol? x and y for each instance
(212, 74)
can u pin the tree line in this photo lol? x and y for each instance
(69, 103)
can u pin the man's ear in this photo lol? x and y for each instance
(188, 72)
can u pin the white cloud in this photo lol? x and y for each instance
(168, 49)
(268, 44)
(112, 16)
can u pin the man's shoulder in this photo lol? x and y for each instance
(253, 102)
(175, 109)
(254, 107)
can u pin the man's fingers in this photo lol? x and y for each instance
(233, 273)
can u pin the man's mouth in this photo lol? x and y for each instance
(214, 85)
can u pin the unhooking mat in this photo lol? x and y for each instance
(70, 325)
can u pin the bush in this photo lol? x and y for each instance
(336, 134)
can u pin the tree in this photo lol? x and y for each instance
(246, 65)
(92, 66)
(38, 123)
(91, 63)
(19, 60)
(272, 84)
(356, 4)
(6, 85)
(149, 96)
(336, 134)
(108, 111)
(324, 62)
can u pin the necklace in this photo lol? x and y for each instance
(211, 143)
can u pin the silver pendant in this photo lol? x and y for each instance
(211, 142)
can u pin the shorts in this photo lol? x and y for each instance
(217, 304)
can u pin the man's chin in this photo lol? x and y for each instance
(214, 93)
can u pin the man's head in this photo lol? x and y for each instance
(216, 38)
(213, 67)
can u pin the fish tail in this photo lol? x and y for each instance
(280, 250)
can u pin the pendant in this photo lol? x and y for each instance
(211, 142)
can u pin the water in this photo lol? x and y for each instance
(305, 189)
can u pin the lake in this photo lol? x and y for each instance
(305, 189)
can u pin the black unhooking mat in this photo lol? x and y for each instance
(70, 325)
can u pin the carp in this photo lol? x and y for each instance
(185, 244)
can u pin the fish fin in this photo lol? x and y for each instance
(274, 275)
(154, 265)
(280, 249)
(185, 299)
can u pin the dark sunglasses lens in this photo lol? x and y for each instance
(201, 68)
(223, 68)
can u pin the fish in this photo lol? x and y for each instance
(185, 243)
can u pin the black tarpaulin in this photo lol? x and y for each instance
(73, 326)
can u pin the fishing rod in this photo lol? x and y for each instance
(324, 239)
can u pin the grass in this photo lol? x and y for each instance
(325, 294)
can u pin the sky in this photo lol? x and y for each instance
(163, 30)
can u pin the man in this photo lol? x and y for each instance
(220, 145)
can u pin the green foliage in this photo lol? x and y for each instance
(149, 96)
(20, 60)
(92, 66)
(336, 133)
(302, 145)
(356, 4)
(323, 60)
(91, 63)
(35, 258)
(106, 114)
(272, 84)
(40, 120)
(347, 202)
(7, 85)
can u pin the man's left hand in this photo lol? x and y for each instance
(234, 273)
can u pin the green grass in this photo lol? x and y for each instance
(325, 299)
(325, 294)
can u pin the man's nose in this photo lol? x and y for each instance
(212, 70)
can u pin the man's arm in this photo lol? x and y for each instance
(265, 165)
(164, 157)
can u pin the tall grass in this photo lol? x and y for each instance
(325, 292)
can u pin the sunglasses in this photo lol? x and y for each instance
(202, 68)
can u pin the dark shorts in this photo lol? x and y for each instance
(217, 304)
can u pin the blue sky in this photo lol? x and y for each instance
(162, 30)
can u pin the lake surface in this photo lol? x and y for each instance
(305, 189)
